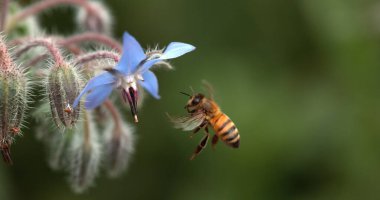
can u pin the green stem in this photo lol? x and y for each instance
(3, 14)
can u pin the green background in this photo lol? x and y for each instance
(300, 79)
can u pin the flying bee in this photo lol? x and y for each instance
(204, 112)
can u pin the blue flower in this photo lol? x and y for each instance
(132, 69)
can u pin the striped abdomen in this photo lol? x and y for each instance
(226, 130)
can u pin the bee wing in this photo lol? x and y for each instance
(188, 123)
(208, 87)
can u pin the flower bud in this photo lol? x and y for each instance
(119, 144)
(84, 155)
(63, 86)
(56, 142)
(13, 101)
(95, 18)
(58, 145)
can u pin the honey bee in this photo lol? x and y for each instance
(204, 112)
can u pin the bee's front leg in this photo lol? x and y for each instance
(204, 124)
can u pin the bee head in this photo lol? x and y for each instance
(196, 99)
(194, 102)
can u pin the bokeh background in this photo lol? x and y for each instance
(301, 80)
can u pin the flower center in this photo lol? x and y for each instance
(130, 81)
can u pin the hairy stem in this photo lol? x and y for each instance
(5, 58)
(44, 5)
(115, 115)
(96, 37)
(3, 14)
(73, 48)
(86, 130)
(37, 59)
(48, 44)
(96, 55)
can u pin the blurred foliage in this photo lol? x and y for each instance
(299, 79)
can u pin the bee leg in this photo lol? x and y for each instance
(200, 146)
(215, 140)
(195, 131)
(204, 123)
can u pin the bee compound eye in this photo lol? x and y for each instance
(196, 101)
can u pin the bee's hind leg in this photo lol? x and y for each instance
(201, 145)
(215, 140)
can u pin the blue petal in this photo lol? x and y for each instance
(150, 84)
(133, 54)
(176, 49)
(103, 79)
(147, 65)
(97, 96)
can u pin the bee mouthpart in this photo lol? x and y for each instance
(131, 96)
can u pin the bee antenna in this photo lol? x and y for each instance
(184, 93)
(192, 90)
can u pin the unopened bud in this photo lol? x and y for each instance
(6, 152)
(63, 86)
(96, 17)
(13, 100)
(56, 140)
(84, 155)
(58, 148)
(119, 143)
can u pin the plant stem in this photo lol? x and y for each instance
(96, 37)
(96, 55)
(48, 44)
(5, 58)
(44, 5)
(86, 130)
(115, 115)
(73, 48)
(36, 60)
(3, 14)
